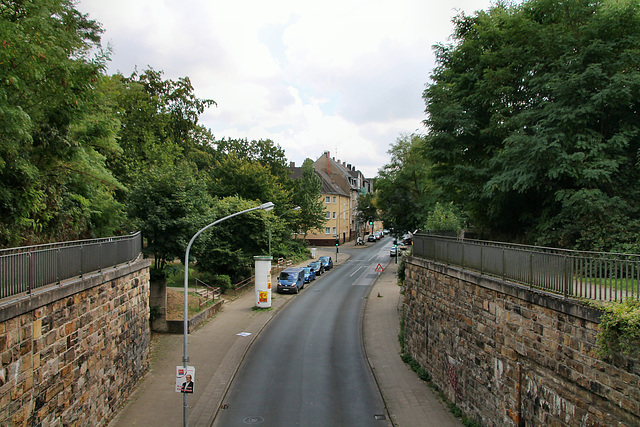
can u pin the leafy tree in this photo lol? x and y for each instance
(405, 193)
(532, 117)
(229, 248)
(265, 152)
(159, 124)
(54, 132)
(169, 205)
(443, 218)
(307, 195)
(366, 209)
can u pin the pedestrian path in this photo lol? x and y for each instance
(216, 350)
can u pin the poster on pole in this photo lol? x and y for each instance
(185, 379)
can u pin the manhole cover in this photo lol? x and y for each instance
(253, 420)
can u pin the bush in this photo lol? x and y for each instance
(619, 329)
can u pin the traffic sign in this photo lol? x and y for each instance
(379, 268)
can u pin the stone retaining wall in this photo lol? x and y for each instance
(71, 354)
(508, 356)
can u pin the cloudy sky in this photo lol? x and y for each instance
(340, 75)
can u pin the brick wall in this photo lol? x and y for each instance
(509, 356)
(71, 354)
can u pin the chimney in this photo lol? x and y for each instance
(292, 164)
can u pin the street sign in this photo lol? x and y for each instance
(379, 268)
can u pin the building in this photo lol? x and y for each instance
(341, 186)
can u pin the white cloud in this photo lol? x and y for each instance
(340, 75)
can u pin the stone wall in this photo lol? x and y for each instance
(509, 356)
(71, 354)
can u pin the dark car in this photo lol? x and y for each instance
(290, 280)
(371, 238)
(309, 274)
(317, 267)
(327, 262)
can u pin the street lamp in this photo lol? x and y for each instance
(185, 359)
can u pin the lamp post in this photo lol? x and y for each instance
(185, 359)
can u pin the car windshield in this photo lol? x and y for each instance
(286, 276)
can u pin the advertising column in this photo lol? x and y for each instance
(263, 281)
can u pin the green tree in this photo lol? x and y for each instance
(229, 248)
(366, 209)
(169, 205)
(533, 124)
(405, 193)
(55, 134)
(306, 194)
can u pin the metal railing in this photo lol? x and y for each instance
(28, 268)
(578, 274)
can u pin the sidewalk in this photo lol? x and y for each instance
(216, 350)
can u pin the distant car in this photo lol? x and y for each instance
(309, 274)
(327, 262)
(378, 235)
(393, 252)
(317, 267)
(371, 238)
(290, 280)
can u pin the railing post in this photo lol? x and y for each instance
(29, 274)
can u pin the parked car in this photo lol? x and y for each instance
(371, 238)
(309, 274)
(393, 252)
(290, 280)
(378, 235)
(317, 267)
(327, 262)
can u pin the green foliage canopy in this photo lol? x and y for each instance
(533, 122)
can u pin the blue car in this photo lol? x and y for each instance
(309, 274)
(327, 262)
(317, 267)
(290, 280)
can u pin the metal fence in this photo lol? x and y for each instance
(28, 268)
(578, 274)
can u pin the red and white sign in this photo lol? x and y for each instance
(379, 268)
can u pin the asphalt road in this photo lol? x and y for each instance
(308, 367)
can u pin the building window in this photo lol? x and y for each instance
(334, 230)
(334, 215)
(328, 215)
(334, 199)
(327, 230)
(327, 199)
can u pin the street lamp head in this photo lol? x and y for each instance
(297, 208)
(266, 206)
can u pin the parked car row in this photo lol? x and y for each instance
(293, 279)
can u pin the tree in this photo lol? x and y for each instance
(405, 193)
(306, 194)
(366, 209)
(169, 205)
(54, 132)
(532, 118)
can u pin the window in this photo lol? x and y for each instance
(327, 199)
(328, 215)
(327, 230)
(334, 230)
(334, 215)
(334, 199)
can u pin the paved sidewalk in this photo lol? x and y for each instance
(216, 350)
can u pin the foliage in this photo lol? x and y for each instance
(54, 130)
(265, 152)
(169, 205)
(404, 191)
(307, 192)
(619, 329)
(532, 117)
(229, 248)
(444, 218)
(366, 209)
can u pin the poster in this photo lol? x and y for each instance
(185, 379)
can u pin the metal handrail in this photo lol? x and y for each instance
(25, 269)
(570, 273)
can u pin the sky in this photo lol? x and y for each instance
(344, 76)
